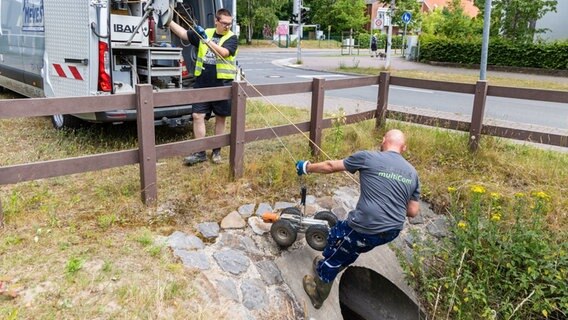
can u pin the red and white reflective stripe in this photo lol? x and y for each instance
(73, 72)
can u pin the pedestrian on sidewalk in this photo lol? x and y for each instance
(374, 46)
(390, 191)
(215, 67)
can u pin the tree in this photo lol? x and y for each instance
(341, 15)
(349, 14)
(516, 19)
(401, 6)
(253, 15)
(451, 22)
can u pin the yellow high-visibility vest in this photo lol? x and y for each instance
(226, 69)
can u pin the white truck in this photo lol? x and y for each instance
(60, 48)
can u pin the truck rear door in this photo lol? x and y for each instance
(68, 44)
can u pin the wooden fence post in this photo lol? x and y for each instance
(316, 117)
(382, 99)
(477, 114)
(146, 143)
(237, 144)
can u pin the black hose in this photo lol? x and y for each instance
(94, 29)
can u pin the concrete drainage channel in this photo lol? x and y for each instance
(364, 295)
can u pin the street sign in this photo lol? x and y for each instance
(378, 23)
(406, 17)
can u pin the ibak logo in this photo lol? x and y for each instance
(126, 28)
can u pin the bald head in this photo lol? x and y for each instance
(394, 140)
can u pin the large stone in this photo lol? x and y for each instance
(425, 211)
(269, 272)
(419, 219)
(233, 221)
(258, 226)
(346, 196)
(228, 289)
(193, 259)
(346, 192)
(281, 205)
(254, 294)
(182, 241)
(340, 212)
(310, 199)
(232, 261)
(311, 209)
(262, 208)
(326, 202)
(209, 230)
(246, 210)
(238, 242)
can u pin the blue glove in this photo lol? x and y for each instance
(201, 32)
(302, 167)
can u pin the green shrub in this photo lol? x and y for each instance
(501, 53)
(500, 262)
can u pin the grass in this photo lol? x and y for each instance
(458, 77)
(86, 233)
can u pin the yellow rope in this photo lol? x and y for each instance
(273, 106)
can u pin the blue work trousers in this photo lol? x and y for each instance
(344, 246)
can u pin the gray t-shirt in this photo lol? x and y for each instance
(388, 183)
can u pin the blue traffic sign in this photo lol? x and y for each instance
(406, 17)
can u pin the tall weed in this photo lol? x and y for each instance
(500, 262)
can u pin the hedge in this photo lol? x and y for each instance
(364, 41)
(501, 53)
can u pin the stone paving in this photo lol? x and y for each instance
(236, 259)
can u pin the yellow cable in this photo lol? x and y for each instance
(273, 106)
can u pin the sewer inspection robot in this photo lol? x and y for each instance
(291, 221)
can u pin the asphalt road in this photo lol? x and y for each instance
(269, 67)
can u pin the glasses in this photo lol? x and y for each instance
(225, 24)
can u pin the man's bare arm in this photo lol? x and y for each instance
(329, 166)
(178, 30)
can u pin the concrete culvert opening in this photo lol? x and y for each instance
(364, 295)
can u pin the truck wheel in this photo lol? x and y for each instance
(316, 236)
(292, 210)
(283, 233)
(65, 121)
(327, 216)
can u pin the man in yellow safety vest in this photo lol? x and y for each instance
(215, 67)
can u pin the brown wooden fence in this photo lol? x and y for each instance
(144, 100)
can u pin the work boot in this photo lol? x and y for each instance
(195, 158)
(216, 156)
(316, 289)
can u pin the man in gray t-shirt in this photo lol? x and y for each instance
(390, 191)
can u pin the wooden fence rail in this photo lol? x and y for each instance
(144, 100)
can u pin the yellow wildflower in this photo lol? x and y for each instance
(477, 189)
(495, 196)
(462, 224)
(495, 217)
(519, 195)
(466, 299)
(541, 195)
(451, 189)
